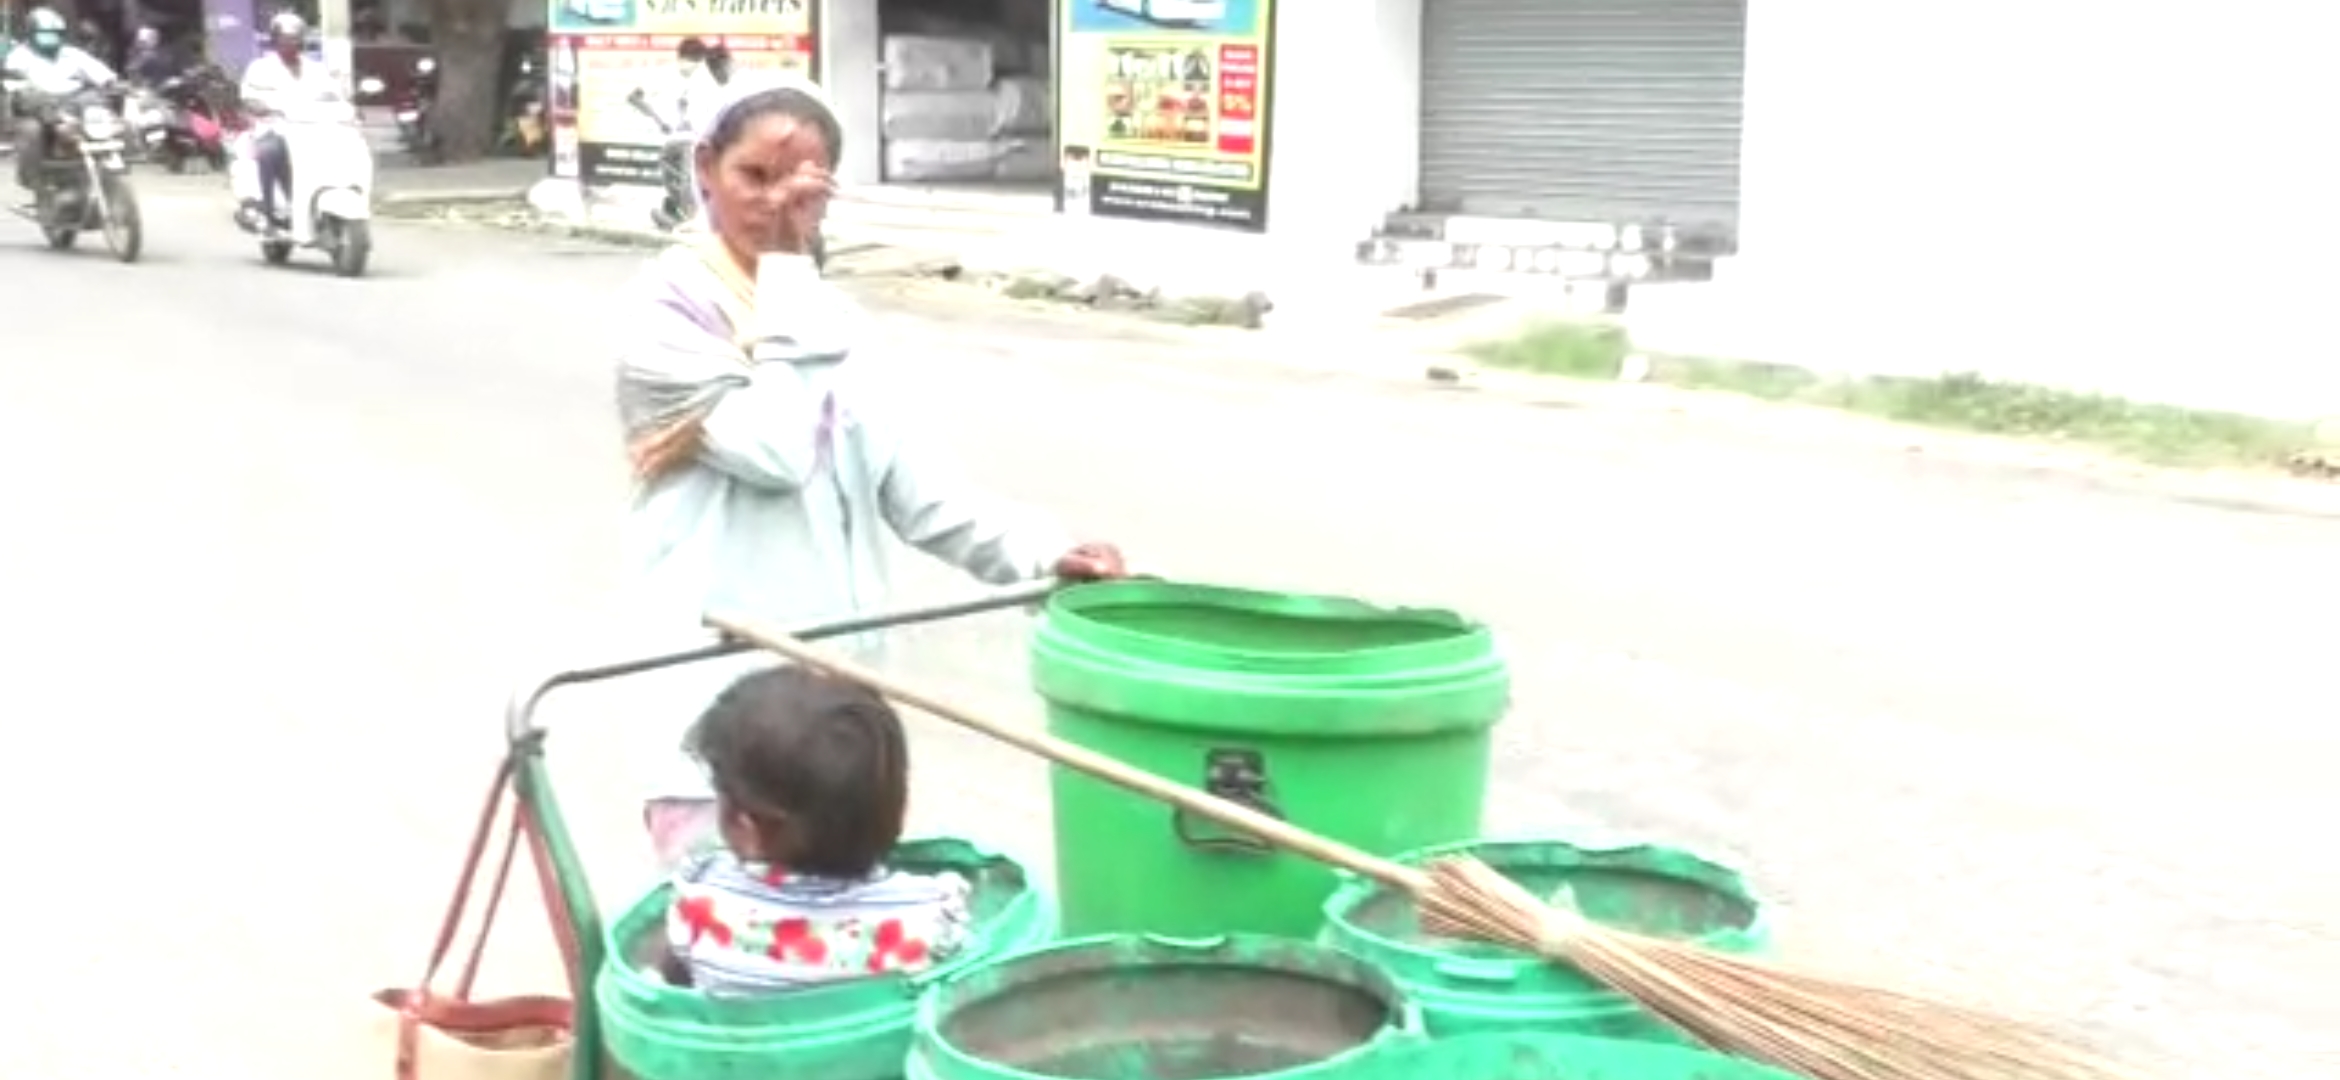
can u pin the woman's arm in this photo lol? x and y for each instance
(686, 394)
(936, 514)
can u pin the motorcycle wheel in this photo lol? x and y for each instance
(59, 237)
(124, 228)
(353, 244)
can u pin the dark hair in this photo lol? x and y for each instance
(784, 101)
(691, 49)
(812, 758)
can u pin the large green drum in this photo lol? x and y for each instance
(1368, 724)
(1465, 988)
(1133, 1007)
(853, 1030)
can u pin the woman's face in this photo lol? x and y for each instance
(766, 192)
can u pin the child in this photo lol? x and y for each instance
(811, 778)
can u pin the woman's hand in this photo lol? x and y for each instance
(1092, 562)
(665, 450)
(804, 202)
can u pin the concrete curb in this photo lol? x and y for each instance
(449, 197)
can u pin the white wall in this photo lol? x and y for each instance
(847, 56)
(1344, 104)
(2136, 198)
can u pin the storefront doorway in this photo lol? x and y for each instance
(1612, 111)
(965, 94)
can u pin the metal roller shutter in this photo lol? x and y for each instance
(1584, 110)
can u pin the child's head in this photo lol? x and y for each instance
(813, 772)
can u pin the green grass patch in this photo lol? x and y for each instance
(2162, 434)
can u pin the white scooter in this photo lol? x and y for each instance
(331, 204)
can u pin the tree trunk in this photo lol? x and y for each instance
(468, 38)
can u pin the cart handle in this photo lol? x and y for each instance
(520, 712)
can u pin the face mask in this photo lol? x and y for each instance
(48, 41)
(689, 68)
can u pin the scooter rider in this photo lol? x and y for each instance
(276, 83)
(45, 69)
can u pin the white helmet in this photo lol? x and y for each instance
(287, 24)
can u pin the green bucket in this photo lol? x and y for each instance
(1567, 1057)
(852, 1030)
(1138, 1007)
(1464, 988)
(1367, 724)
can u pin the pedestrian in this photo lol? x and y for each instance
(769, 470)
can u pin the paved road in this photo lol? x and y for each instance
(280, 541)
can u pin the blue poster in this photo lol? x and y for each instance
(1230, 18)
(228, 36)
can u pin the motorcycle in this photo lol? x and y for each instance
(525, 130)
(194, 122)
(330, 206)
(84, 181)
(149, 118)
(412, 110)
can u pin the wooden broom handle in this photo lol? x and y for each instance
(1243, 819)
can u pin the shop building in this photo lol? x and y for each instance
(1561, 139)
(1801, 181)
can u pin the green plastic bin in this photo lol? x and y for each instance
(1138, 1007)
(1567, 1057)
(1367, 724)
(856, 1030)
(1465, 988)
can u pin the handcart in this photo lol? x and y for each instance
(536, 818)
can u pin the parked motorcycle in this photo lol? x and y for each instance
(84, 181)
(331, 205)
(525, 132)
(412, 110)
(198, 110)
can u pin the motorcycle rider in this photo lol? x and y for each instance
(150, 64)
(279, 81)
(45, 69)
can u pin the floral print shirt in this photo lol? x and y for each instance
(744, 928)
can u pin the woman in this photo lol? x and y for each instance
(768, 469)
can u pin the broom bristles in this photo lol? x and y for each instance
(1816, 1027)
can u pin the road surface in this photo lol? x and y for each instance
(280, 541)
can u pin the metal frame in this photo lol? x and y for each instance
(532, 784)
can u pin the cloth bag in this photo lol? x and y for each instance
(421, 1033)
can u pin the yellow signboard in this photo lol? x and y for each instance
(1162, 109)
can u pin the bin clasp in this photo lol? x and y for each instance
(1238, 775)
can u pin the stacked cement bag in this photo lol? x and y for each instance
(956, 110)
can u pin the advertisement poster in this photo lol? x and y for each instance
(615, 73)
(1163, 110)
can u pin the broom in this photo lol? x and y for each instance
(1822, 1028)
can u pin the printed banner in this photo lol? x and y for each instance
(614, 48)
(684, 18)
(621, 89)
(1162, 110)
